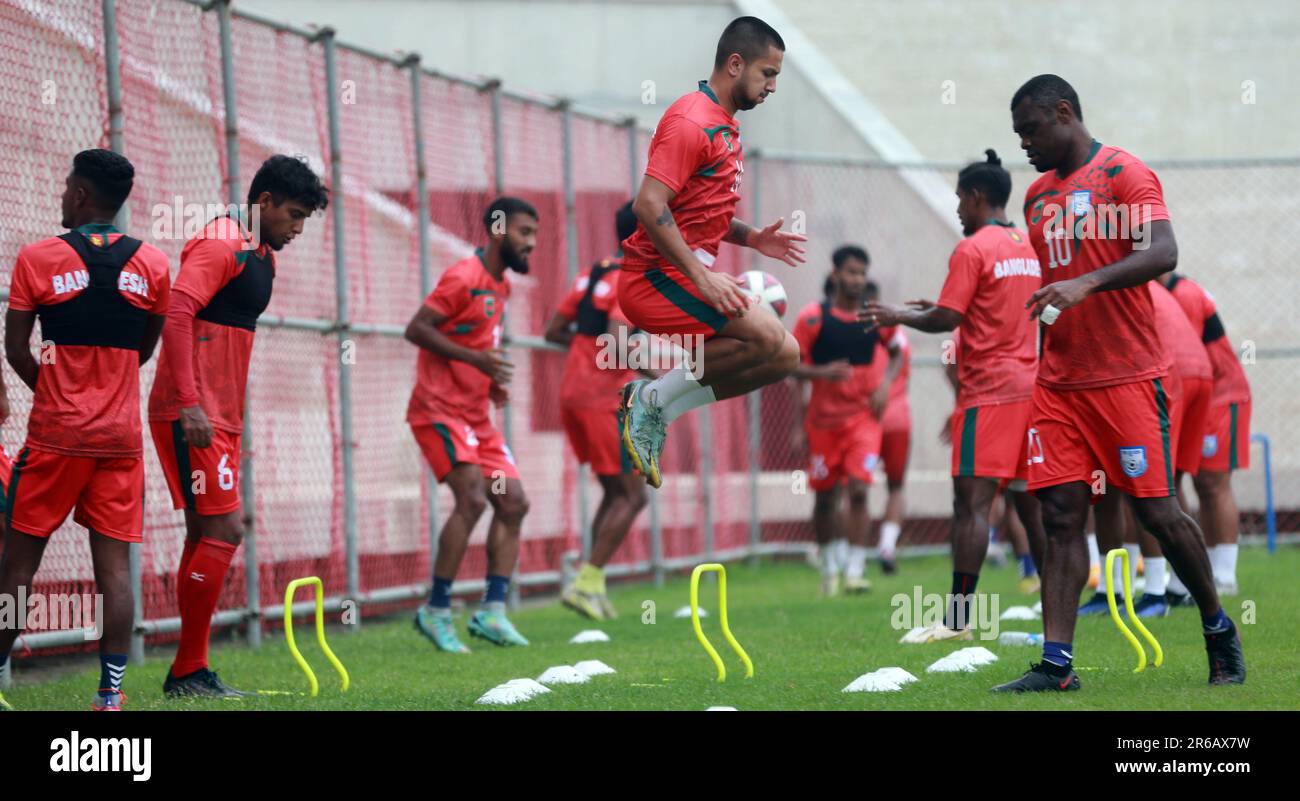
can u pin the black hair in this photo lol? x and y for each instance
(988, 177)
(845, 252)
(109, 174)
(828, 286)
(624, 221)
(748, 36)
(507, 207)
(289, 178)
(1045, 91)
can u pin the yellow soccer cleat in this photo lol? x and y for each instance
(1094, 577)
(1030, 585)
(856, 586)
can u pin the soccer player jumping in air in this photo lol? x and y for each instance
(1100, 407)
(686, 207)
(100, 296)
(461, 371)
(991, 273)
(196, 407)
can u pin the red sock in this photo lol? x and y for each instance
(200, 588)
(182, 571)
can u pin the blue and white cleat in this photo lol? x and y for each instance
(1099, 605)
(643, 431)
(440, 628)
(494, 627)
(1151, 606)
(108, 701)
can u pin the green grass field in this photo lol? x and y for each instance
(805, 650)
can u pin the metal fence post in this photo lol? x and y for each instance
(570, 189)
(656, 528)
(706, 480)
(252, 586)
(426, 270)
(754, 401)
(116, 121)
(498, 186)
(351, 555)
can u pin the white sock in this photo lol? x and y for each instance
(841, 553)
(1134, 551)
(830, 564)
(669, 387)
(1175, 584)
(693, 399)
(1223, 558)
(1094, 556)
(1156, 573)
(857, 562)
(889, 531)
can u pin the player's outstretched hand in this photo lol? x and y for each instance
(196, 427)
(876, 314)
(1061, 294)
(838, 370)
(495, 365)
(777, 244)
(723, 293)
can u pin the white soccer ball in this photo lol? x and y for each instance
(764, 286)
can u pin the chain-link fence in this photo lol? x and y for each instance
(334, 483)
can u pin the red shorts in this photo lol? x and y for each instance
(108, 493)
(851, 451)
(596, 439)
(895, 445)
(450, 442)
(1226, 445)
(1122, 433)
(661, 300)
(991, 441)
(203, 480)
(1191, 411)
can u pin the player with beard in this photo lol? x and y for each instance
(686, 208)
(462, 370)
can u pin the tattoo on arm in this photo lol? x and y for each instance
(665, 217)
(738, 233)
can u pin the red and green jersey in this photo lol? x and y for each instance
(87, 400)
(1180, 340)
(474, 304)
(991, 275)
(1082, 222)
(1230, 384)
(695, 152)
(586, 383)
(231, 278)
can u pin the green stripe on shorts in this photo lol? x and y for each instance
(447, 442)
(1232, 437)
(967, 465)
(688, 303)
(1162, 408)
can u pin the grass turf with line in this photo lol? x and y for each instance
(805, 650)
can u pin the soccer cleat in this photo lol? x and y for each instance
(110, 702)
(888, 565)
(607, 606)
(5, 706)
(586, 604)
(1227, 589)
(202, 683)
(1030, 585)
(1227, 664)
(936, 633)
(1151, 606)
(495, 628)
(1094, 577)
(1042, 677)
(1175, 599)
(857, 585)
(1098, 605)
(440, 629)
(643, 432)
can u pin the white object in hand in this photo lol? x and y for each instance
(1049, 314)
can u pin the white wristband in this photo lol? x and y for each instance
(1049, 314)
